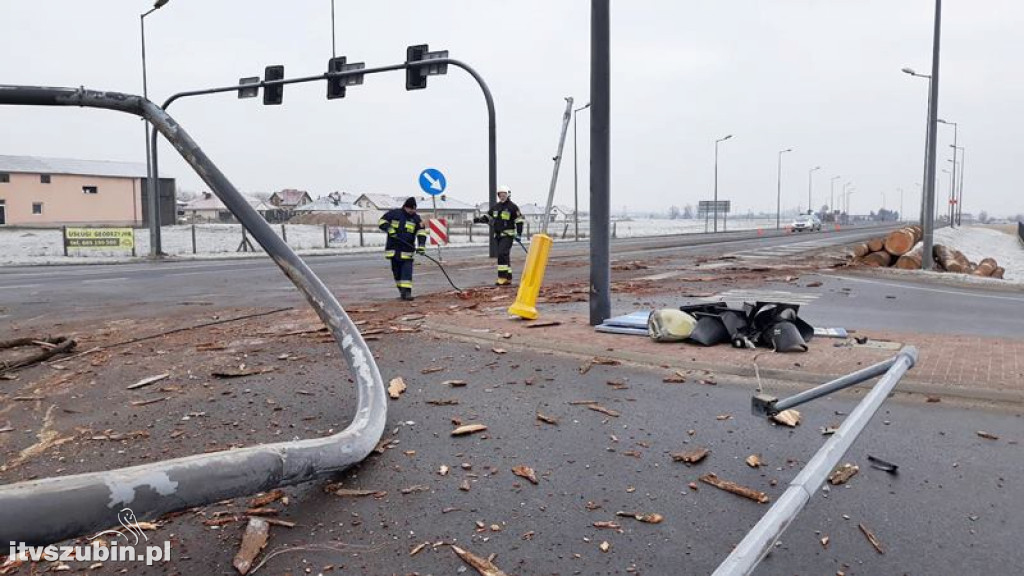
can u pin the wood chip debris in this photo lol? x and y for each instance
(443, 402)
(987, 435)
(148, 381)
(750, 493)
(547, 419)
(265, 499)
(544, 324)
(691, 456)
(843, 473)
(597, 408)
(525, 472)
(454, 383)
(650, 518)
(241, 371)
(483, 566)
(604, 546)
(148, 402)
(789, 418)
(871, 538)
(417, 549)
(431, 369)
(676, 377)
(754, 461)
(499, 350)
(824, 542)
(468, 429)
(607, 525)
(355, 493)
(253, 541)
(396, 387)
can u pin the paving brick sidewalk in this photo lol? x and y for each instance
(967, 366)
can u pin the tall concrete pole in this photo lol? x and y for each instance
(928, 225)
(600, 161)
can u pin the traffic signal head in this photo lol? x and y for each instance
(273, 94)
(335, 86)
(415, 76)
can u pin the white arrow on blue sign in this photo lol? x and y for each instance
(432, 181)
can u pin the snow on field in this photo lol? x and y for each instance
(45, 246)
(977, 243)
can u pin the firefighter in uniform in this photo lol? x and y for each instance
(507, 226)
(406, 235)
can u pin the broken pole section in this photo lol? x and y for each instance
(761, 538)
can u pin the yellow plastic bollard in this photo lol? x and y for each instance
(533, 277)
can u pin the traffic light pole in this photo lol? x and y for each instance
(492, 155)
(600, 161)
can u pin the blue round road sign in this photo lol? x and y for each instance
(432, 181)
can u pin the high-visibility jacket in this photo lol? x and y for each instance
(505, 219)
(405, 232)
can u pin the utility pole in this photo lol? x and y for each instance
(928, 226)
(152, 187)
(717, 142)
(832, 196)
(600, 161)
(810, 187)
(558, 163)
(778, 193)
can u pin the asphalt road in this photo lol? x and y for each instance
(953, 508)
(151, 288)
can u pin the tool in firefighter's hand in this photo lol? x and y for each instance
(533, 276)
(423, 252)
(520, 242)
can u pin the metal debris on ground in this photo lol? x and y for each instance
(879, 464)
(843, 473)
(483, 566)
(732, 487)
(253, 542)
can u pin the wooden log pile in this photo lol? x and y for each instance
(903, 249)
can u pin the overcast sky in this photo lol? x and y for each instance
(820, 76)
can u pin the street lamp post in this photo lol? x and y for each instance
(153, 204)
(832, 195)
(810, 185)
(927, 138)
(778, 193)
(900, 190)
(960, 187)
(723, 139)
(952, 192)
(576, 175)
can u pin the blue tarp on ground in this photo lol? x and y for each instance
(635, 324)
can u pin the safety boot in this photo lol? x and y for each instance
(407, 294)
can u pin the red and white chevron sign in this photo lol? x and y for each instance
(438, 230)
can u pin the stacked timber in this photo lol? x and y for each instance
(903, 249)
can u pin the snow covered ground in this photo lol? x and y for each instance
(977, 242)
(21, 246)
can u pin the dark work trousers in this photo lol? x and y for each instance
(401, 268)
(504, 259)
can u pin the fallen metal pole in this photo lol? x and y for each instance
(49, 510)
(763, 405)
(761, 538)
(558, 163)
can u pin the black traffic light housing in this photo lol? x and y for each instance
(336, 86)
(416, 76)
(273, 95)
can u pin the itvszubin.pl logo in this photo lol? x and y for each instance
(120, 547)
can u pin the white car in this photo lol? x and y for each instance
(807, 222)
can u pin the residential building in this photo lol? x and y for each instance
(335, 204)
(50, 192)
(206, 208)
(290, 199)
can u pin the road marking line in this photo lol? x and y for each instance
(17, 286)
(925, 289)
(98, 280)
